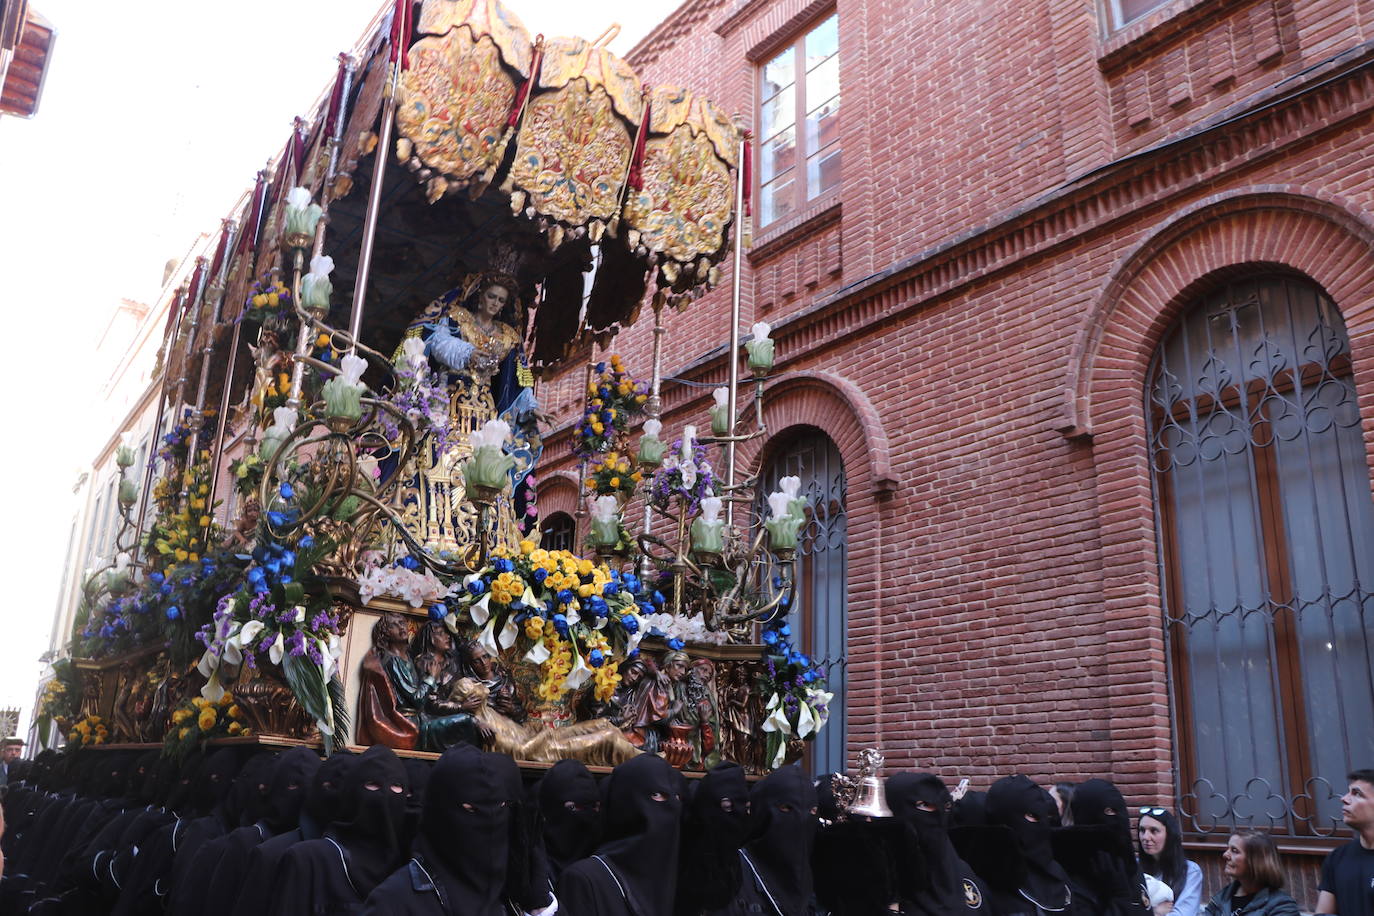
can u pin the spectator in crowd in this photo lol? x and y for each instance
(1062, 793)
(1161, 856)
(1256, 888)
(1347, 883)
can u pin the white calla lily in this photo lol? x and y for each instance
(580, 673)
(277, 651)
(538, 654)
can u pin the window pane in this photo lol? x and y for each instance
(779, 155)
(823, 124)
(779, 73)
(778, 112)
(823, 171)
(779, 199)
(823, 82)
(822, 41)
(1134, 9)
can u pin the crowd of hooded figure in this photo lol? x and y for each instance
(260, 834)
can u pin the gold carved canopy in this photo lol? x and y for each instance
(575, 116)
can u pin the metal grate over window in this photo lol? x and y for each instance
(1266, 545)
(818, 610)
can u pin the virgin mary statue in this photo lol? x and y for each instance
(473, 346)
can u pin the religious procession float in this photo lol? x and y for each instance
(342, 542)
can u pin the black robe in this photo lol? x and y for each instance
(946, 885)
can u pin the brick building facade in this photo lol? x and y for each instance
(1032, 195)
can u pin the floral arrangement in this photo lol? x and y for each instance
(269, 300)
(614, 400)
(403, 579)
(798, 703)
(685, 475)
(198, 720)
(570, 616)
(613, 474)
(88, 731)
(677, 630)
(176, 443)
(61, 696)
(247, 472)
(280, 616)
(182, 532)
(419, 394)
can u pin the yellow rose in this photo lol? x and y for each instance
(235, 712)
(527, 547)
(227, 699)
(199, 702)
(207, 719)
(235, 728)
(180, 716)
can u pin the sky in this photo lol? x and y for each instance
(155, 117)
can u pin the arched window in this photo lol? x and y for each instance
(818, 609)
(557, 532)
(1266, 546)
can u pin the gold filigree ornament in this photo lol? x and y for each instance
(575, 139)
(683, 207)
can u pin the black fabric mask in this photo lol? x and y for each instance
(1099, 802)
(911, 796)
(784, 831)
(212, 783)
(570, 808)
(371, 819)
(1010, 801)
(247, 797)
(181, 792)
(143, 783)
(291, 778)
(471, 804)
(326, 789)
(643, 830)
(970, 811)
(715, 826)
(418, 772)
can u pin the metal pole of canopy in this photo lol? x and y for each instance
(150, 460)
(229, 229)
(374, 202)
(736, 285)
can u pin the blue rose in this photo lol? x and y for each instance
(611, 588)
(173, 612)
(630, 623)
(659, 599)
(565, 596)
(675, 644)
(785, 630)
(809, 676)
(165, 589)
(437, 612)
(560, 623)
(287, 491)
(288, 558)
(477, 586)
(770, 638)
(540, 575)
(411, 563)
(156, 578)
(503, 565)
(804, 661)
(600, 368)
(630, 581)
(307, 542)
(596, 659)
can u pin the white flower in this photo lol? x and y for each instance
(604, 508)
(722, 396)
(670, 463)
(278, 649)
(121, 562)
(689, 475)
(299, 198)
(779, 505)
(321, 265)
(761, 330)
(710, 509)
(367, 466)
(652, 427)
(351, 369)
(791, 486)
(579, 675)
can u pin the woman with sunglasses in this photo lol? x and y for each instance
(1161, 856)
(1251, 861)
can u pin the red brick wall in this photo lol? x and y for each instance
(971, 319)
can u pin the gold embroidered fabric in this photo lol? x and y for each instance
(453, 102)
(684, 205)
(572, 153)
(480, 17)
